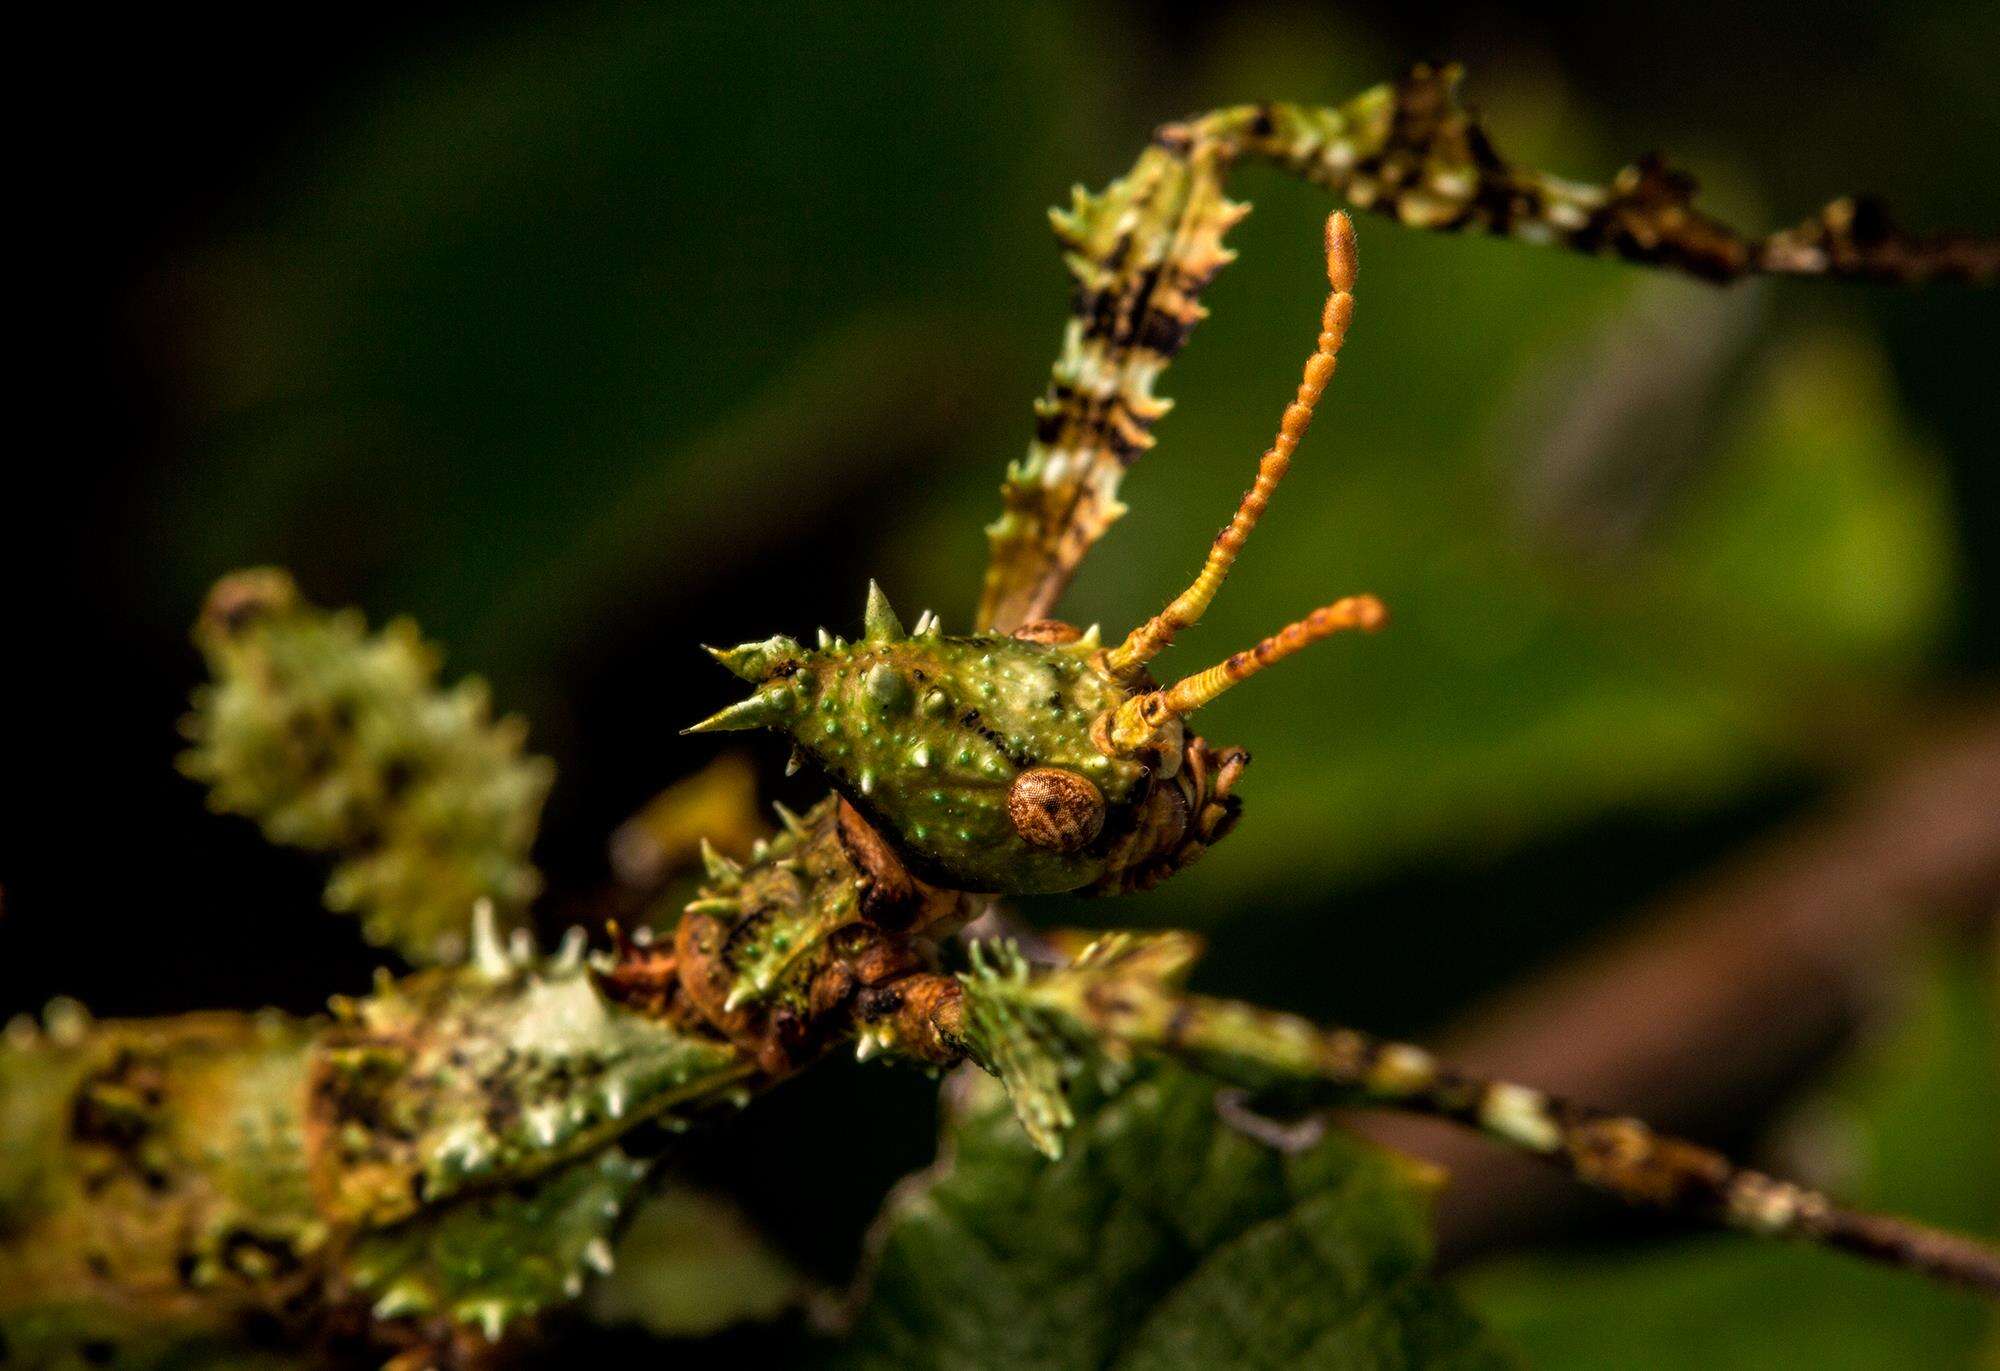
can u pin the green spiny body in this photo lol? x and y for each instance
(821, 938)
(929, 735)
(456, 1079)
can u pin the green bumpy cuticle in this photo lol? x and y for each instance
(925, 734)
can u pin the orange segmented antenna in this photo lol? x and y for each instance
(1133, 724)
(1151, 638)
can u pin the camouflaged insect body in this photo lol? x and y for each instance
(152, 1174)
(455, 1079)
(441, 1150)
(335, 739)
(824, 937)
(928, 736)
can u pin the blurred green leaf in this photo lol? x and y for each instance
(1162, 1239)
(690, 1265)
(1919, 1119)
(516, 279)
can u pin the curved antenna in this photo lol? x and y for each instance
(1133, 724)
(1151, 638)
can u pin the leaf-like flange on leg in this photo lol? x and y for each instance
(342, 741)
(1140, 253)
(489, 1261)
(152, 1182)
(490, 1074)
(1016, 1029)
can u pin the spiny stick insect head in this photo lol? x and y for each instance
(1042, 761)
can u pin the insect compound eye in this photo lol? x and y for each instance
(1055, 809)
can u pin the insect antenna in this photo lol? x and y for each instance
(1152, 637)
(1133, 723)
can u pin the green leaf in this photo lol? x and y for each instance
(1163, 1238)
(1921, 1112)
(691, 1265)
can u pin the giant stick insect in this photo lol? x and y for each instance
(429, 1167)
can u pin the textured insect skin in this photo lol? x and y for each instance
(929, 737)
(825, 937)
(153, 1170)
(187, 1174)
(434, 1164)
(339, 740)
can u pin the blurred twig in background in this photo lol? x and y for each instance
(1732, 987)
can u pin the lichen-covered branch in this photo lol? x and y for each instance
(340, 740)
(1141, 252)
(1121, 996)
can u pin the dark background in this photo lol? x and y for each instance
(586, 335)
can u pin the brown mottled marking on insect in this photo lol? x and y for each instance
(831, 986)
(880, 959)
(705, 977)
(1056, 809)
(1159, 826)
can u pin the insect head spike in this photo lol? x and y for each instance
(1134, 723)
(765, 709)
(1151, 638)
(882, 625)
